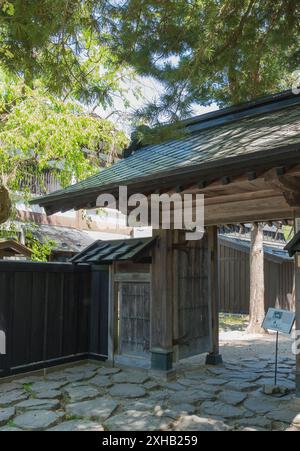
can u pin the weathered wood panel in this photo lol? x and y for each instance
(134, 318)
(99, 312)
(162, 299)
(235, 282)
(191, 285)
(180, 309)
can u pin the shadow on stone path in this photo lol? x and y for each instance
(90, 397)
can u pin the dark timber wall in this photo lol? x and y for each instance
(235, 281)
(50, 315)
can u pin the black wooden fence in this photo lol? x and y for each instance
(51, 314)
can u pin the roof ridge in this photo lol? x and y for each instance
(247, 110)
(251, 104)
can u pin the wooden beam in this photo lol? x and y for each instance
(243, 208)
(132, 277)
(249, 218)
(236, 185)
(240, 197)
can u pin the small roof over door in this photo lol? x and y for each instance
(106, 252)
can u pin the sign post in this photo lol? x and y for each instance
(279, 321)
(276, 364)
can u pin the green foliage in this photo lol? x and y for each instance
(288, 232)
(143, 135)
(65, 44)
(41, 251)
(226, 51)
(202, 51)
(39, 132)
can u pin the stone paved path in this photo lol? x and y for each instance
(91, 397)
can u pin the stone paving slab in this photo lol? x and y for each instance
(260, 406)
(199, 424)
(218, 409)
(45, 385)
(13, 397)
(130, 378)
(49, 394)
(6, 415)
(80, 376)
(80, 393)
(106, 371)
(257, 422)
(191, 397)
(232, 397)
(137, 421)
(5, 388)
(38, 404)
(142, 405)
(77, 426)
(99, 409)
(37, 420)
(101, 381)
(127, 391)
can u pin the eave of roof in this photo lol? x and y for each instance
(294, 245)
(15, 247)
(272, 253)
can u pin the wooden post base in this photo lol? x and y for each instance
(161, 359)
(214, 359)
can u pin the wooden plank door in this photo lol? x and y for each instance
(134, 328)
(192, 287)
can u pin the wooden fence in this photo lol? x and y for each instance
(43, 184)
(235, 280)
(51, 314)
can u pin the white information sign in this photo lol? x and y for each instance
(279, 321)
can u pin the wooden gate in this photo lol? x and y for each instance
(134, 338)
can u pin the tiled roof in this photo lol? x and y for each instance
(294, 245)
(214, 139)
(274, 252)
(104, 252)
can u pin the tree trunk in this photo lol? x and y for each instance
(257, 283)
(5, 204)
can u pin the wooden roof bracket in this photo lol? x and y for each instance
(289, 186)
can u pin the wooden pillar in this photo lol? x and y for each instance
(214, 357)
(297, 307)
(161, 312)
